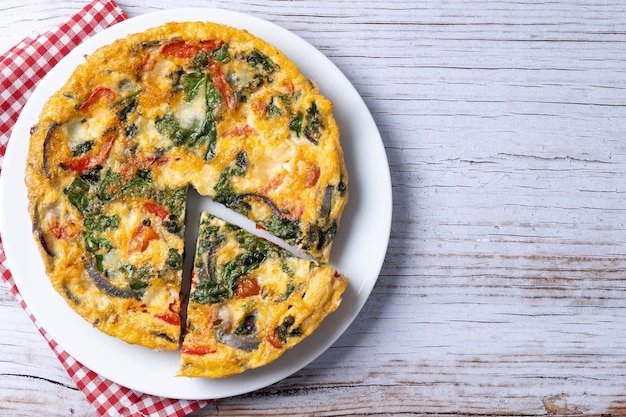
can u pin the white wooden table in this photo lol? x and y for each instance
(504, 287)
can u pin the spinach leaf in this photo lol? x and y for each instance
(210, 292)
(92, 175)
(192, 83)
(259, 59)
(138, 278)
(101, 222)
(168, 126)
(201, 60)
(109, 187)
(139, 184)
(318, 237)
(296, 123)
(314, 124)
(283, 331)
(282, 228)
(247, 326)
(94, 244)
(224, 190)
(273, 110)
(82, 148)
(221, 54)
(77, 194)
(241, 265)
(203, 132)
(128, 105)
(174, 259)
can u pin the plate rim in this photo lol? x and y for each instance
(338, 322)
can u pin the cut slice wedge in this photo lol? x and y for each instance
(250, 301)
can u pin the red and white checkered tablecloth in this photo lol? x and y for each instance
(21, 67)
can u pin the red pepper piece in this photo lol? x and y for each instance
(170, 318)
(312, 176)
(240, 131)
(184, 49)
(131, 168)
(95, 96)
(89, 161)
(220, 81)
(198, 350)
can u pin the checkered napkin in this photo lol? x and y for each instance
(20, 69)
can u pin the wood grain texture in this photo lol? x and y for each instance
(503, 288)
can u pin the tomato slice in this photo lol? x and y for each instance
(247, 287)
(273, 339)
(156, 209)
(141, 237)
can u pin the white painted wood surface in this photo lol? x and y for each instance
(503, 291)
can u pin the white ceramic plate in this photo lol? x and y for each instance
(358, 252)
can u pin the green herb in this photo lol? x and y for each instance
(128, 105)
(202, 131)
(224, 191)
(282, 228)
(283, 331)
(82, 148)
(168, 126)
(221, 54)
(247, 326)
(314, 124)
(94, 244)
(139, 278)
(92, 175)
(241, 265)
(101, 223)
(209, 237)
(290, 288)
(201, 60)
(139, 184)
(77, 194)
(99, 259)
(192, 84)
(318, 237)
(257, 59)
(174, 259)
(273, 110)
(213, 102)
(109, 186)
(296, 123)
(211, 292)
(327, 201)
(243, 86)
